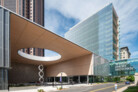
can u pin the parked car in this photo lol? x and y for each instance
(127, 82)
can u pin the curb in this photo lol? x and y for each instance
(123, 88)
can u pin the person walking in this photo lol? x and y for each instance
(115, 87)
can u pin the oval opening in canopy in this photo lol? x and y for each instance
(39, 54)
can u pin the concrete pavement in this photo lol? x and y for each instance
(103, 87)
(108, 87)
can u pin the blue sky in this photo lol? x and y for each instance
(60, 15)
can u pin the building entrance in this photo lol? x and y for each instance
(75, 79)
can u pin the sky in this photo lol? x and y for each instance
(61, 15)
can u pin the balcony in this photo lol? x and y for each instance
(115, 29)
(115, 22)
(115, 53)
(115, 37)
(115, 45)
(115, 33)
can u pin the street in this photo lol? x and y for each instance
(107, 87)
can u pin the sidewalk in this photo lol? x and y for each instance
(124, 88)
(45, 88)
(48, 88)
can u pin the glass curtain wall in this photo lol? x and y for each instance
(124, 67)
(101, 66)
(96, 33)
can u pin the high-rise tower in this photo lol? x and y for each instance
(98, 33)
(31, 9)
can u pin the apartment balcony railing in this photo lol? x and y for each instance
(115, 22)
(115, 37)
(115, 45)
(115, 29)
(114, 33)
(115, 53)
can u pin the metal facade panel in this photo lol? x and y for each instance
(1, 38)
(4, 48)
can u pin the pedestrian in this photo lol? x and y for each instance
(115, 87)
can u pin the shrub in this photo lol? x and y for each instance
(41, 90)
(132, 89)
(59, 88)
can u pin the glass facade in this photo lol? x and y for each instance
(124, 67)
(101, 66)
(98, 33)
(4, 48)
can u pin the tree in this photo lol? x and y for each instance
(117, 79)
(130, 78)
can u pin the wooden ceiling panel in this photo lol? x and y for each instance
(25, 34)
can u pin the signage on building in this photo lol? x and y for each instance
(123, 67)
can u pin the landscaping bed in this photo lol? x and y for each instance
(132, 89)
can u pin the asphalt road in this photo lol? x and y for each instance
(108, 87)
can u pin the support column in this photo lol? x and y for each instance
(79, 79)
(4, 48)
(54, 80)
(68, 80)
(87, 79)
(93, 78)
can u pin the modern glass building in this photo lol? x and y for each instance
(75, 65)
(98, 33)
(124, 67)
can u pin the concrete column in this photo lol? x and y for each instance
(87, 79)
(93, 79)
(4, 48)
(79, 79)
(136, 78)
(68, 80)
(54, 79)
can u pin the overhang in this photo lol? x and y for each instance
(27, 34)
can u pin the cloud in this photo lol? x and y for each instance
(124, 8)
(57, 23)
(51, 21)
(127, 11)
(129, 40)
(78, 9)
(81, 9)
(134, 54)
